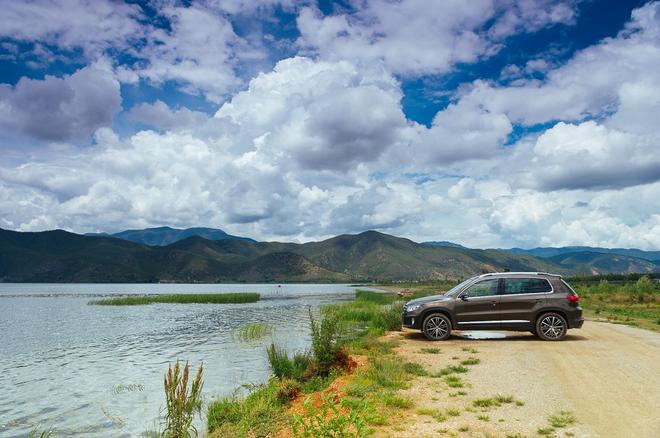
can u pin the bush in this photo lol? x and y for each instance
(324, 342)
(389, 317)
(330, 420)
(288, 390)
(284, 367)
(181, 404)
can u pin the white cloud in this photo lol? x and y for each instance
(93, 25)
(60, 109)
(159, 115)
(200, 52)
(414, 37)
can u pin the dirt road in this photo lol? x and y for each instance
(607, 376)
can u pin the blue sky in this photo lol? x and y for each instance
(489, 123)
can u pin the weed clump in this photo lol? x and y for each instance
(182, 403)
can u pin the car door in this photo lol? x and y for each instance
(520, 299)
(476, 306)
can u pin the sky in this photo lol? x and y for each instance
(490, 123)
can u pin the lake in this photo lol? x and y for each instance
(88, 370)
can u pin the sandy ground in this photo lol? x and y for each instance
(606, 375)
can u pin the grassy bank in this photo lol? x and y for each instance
(635, 303)
(229, 298)
(310, 393)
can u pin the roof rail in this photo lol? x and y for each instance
(520, 273)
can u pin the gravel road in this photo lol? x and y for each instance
(607, 376)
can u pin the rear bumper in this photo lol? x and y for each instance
(576, 323)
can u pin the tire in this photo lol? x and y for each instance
(436, 327)
(551, 327)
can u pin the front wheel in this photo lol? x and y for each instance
(436, 327)
(551, 327)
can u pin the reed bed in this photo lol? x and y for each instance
(228, 298)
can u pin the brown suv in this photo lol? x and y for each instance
(522, 301)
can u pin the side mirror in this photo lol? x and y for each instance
(464, 297)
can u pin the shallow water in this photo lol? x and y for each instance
(97, 371)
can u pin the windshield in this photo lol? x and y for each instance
(454, 290)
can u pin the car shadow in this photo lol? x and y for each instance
(493, 336)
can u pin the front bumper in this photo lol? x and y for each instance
(411, 321)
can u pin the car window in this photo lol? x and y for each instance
(526, 286)
(483, 288)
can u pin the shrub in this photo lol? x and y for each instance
(389, 317)
(288, 390)
(324, 342)
(182, 403)
(284, 367)
(328, 421)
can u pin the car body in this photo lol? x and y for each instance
(539, 302)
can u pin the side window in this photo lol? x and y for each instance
(483, 288)
(538, 285)
(526, 286)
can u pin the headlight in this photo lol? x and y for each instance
(412, 307)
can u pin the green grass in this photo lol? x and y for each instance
(545, 431)
(256, 415)
(485, 418)
(254, 331)
(471, 361)
(415, 368)
(451, 369)
(228, 298)
(453, 381)
(635, 303)
(470, 350)
(496, 401)
(562, 419)
(431, 350)
(436, 414)
(395, 401)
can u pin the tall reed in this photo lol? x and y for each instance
(182, 403)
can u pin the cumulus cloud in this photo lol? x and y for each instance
(321, 115)
(60, 109)
(199, 51)
(93, 25)
(418, 37)
(320, 146)
(159, 115)
(588, 85)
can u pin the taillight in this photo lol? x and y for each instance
(573, 298)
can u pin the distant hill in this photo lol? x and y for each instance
(443, 243)
(162, 236)
(60, 256)
(546, 252)
(593, 263)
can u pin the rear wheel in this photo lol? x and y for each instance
(551, 327)
(436, 327)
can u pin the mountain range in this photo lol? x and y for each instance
(60, 256)
(161, 236)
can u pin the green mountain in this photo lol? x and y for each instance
(547, 252)
(59, 256)
(593, 263)
(162, 236)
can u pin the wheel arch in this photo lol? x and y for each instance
(546, 310)
(428, 312)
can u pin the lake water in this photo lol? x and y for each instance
(87, 370)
